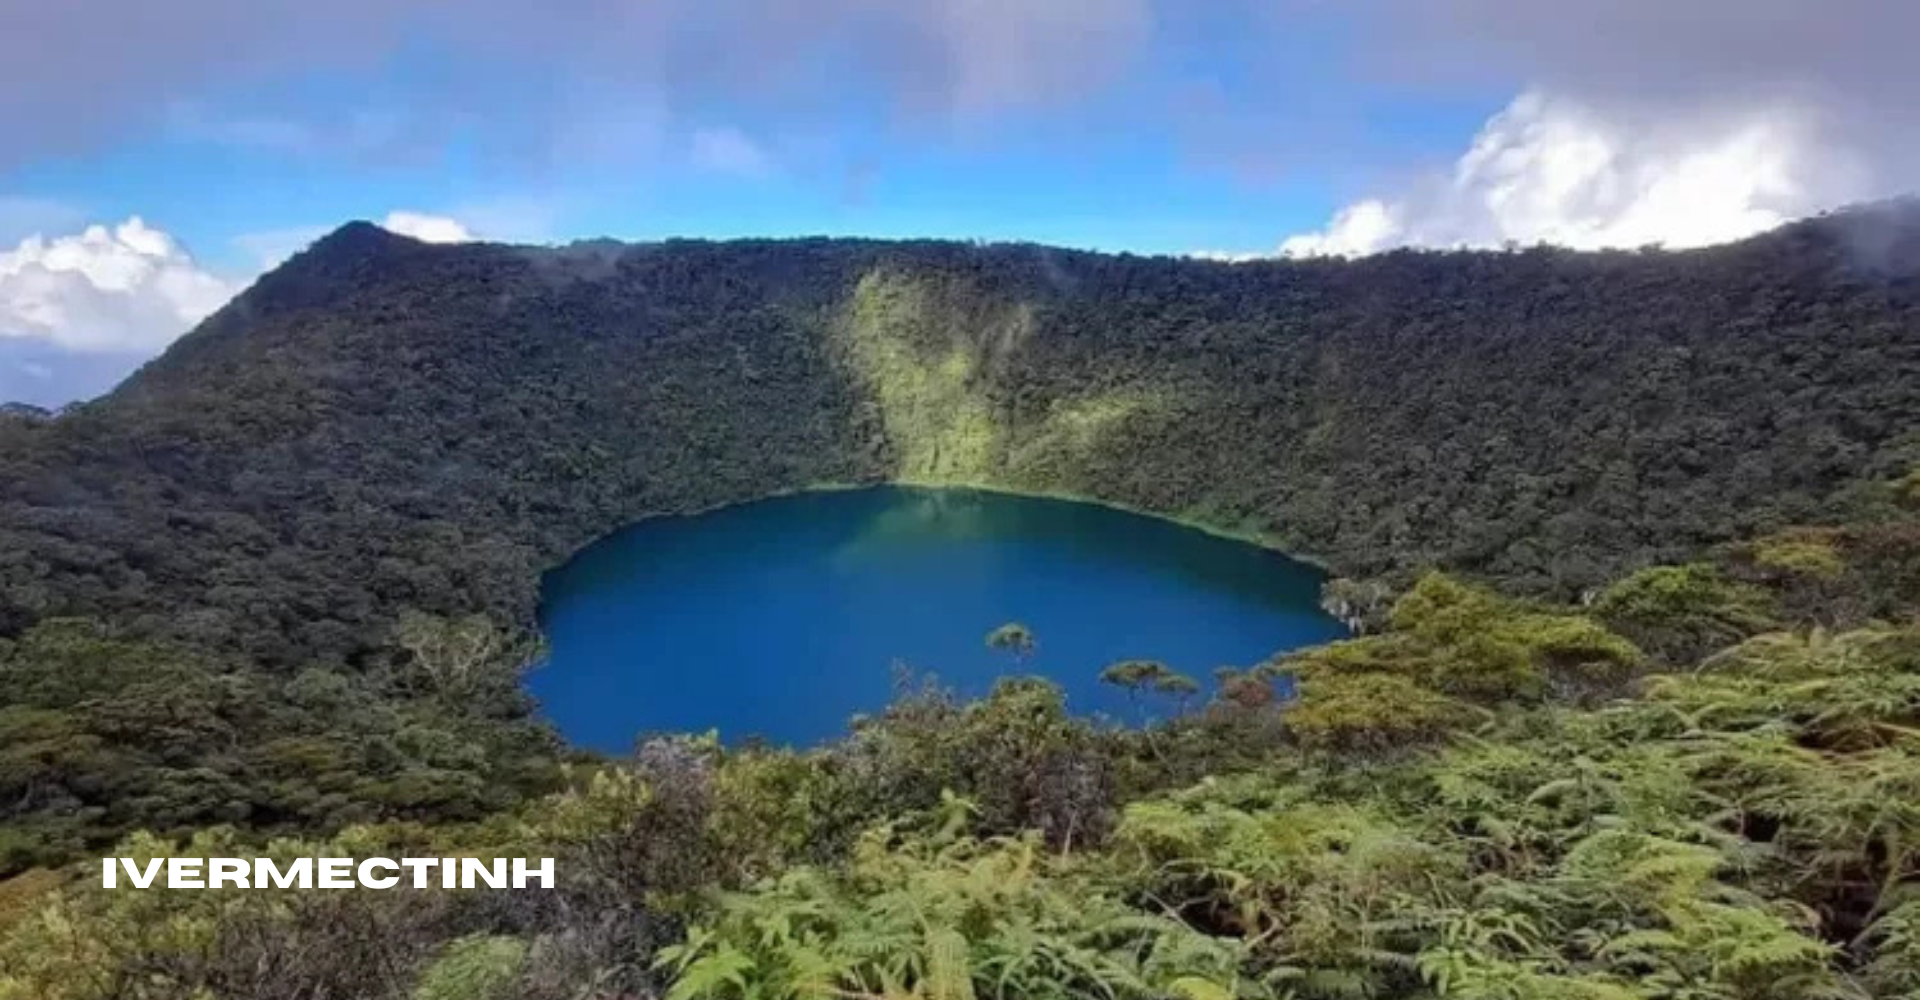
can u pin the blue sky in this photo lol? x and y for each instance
(1153, 162)
(206, 139)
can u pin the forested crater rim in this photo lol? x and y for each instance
(1869, 228)
(430, 427)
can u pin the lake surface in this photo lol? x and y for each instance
(784, 618)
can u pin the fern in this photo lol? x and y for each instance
(719, 971)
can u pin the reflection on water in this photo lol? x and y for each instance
(783, 618)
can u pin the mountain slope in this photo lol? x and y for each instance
(382, 424)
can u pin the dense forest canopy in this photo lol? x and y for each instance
(383, 425)
(1635, 536)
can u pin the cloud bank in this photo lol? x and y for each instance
(1640, 121)
(128, 288)
(79, 312)
(606, 72)
(1636, 120)
(1551, 170)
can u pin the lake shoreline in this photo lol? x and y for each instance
(828, 486)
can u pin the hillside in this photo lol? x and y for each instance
(382, 424)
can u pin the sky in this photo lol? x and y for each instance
(158, 155)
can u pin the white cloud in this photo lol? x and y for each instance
(729, 151)
(428, 228)
(1547, 169)
(1358, 229)
(128, 288)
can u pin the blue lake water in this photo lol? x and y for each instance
(784, 618)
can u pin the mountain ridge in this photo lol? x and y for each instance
(383, 424)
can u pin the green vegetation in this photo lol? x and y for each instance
(101, 735)
(1633, 539)
(1489, 797)
(921, 356)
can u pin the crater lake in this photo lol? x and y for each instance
(784, 618)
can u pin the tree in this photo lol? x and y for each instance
(1138, 677)
(1014, 639)
(466, 659)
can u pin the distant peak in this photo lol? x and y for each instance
(351, 257)
(360, 234)
(349, 246)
